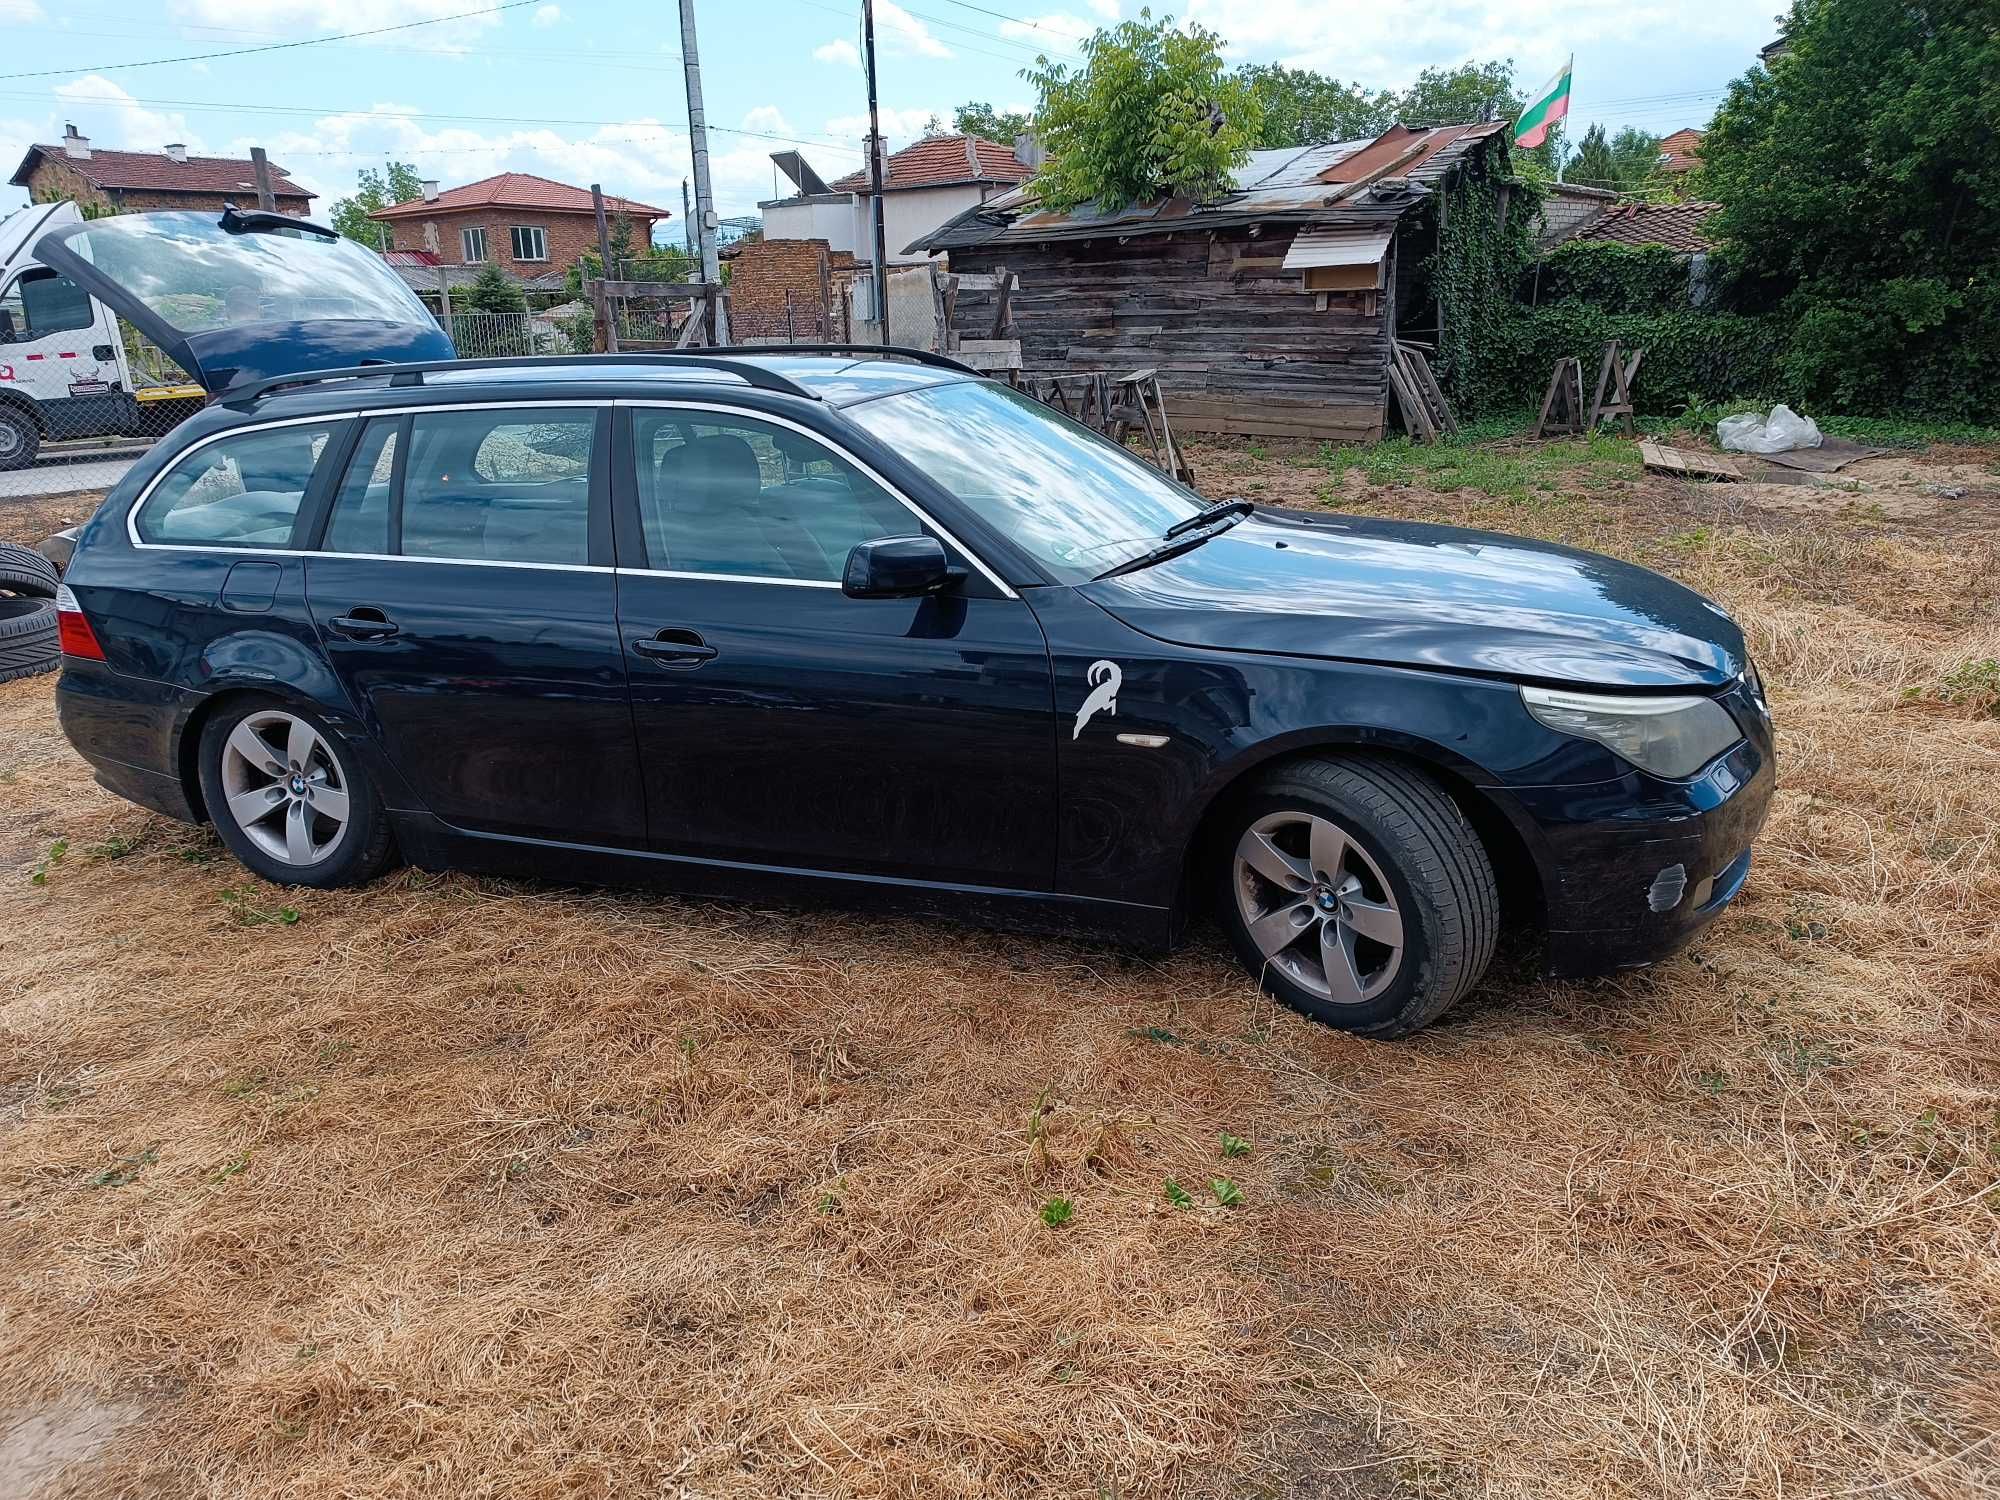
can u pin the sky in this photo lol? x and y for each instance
(593, 90)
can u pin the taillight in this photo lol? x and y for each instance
(73, 629)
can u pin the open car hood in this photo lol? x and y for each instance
(1398, 593)
(238, 297)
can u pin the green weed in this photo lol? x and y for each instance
(1178, 1195)
(1058, 1212)
(232, 1168)
(1227, 1193)
(49, 861)
(126, 1171)
(249, 914)
(1234, 1145)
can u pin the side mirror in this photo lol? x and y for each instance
(896, 567)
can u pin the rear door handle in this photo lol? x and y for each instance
(675, 648)
(365, 624)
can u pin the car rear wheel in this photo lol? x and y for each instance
(1357, 893)
(289, 799)
(19, 438)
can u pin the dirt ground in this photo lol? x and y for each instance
(456, 1187)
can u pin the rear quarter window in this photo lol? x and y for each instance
(243, 490)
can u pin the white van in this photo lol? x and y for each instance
(64, 371)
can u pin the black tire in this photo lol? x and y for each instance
(1420, 847)
(26, 573)
(28, 643)
(363, 848)
(20, 439)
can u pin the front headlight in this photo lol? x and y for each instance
(1671, 737)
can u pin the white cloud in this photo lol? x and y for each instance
(1105, 8)
(643, 158)
(900, 33)
(839, 50)
(899, 126)
(20, 12)
(305, 17)
(109, 115)
(1061, 30)
(546, 15)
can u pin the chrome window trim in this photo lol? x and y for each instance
(145, 494)
(836, 448)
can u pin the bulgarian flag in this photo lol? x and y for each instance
(1548, 106)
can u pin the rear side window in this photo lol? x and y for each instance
(240, 491)
(473, 486)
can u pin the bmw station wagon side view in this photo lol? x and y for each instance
(761, 623)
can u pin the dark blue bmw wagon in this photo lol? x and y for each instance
(861, 623)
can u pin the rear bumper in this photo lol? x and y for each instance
(127, 728)
(1641, 866)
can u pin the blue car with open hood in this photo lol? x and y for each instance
(862, 625)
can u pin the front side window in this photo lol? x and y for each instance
(42, 303)
(472, 244)
(733, 495)
(241, 491)
(530, 243)
(1076, 502)
(475, 486)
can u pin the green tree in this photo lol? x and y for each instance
(399, 183)
(492, 291)
(1304, 108)
(1593, 165)
(1449, 96)
(991, 124)
(1150, 112)
(1860, 193)
(1635, 155)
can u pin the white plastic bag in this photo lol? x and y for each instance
(1780, 432)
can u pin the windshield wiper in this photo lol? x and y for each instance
(1180, 537)
(1235, 506)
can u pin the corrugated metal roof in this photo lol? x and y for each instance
(1361, 246)
(1282, 185)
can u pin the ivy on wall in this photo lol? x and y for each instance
(1617, 278)
(1485, 240)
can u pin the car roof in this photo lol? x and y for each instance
(836, 379)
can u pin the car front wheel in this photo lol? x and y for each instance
(1357, 893)
(290, 801)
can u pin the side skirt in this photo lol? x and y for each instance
(432, 844)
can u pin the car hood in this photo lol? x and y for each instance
(1398, 593)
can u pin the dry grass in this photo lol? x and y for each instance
(455, 1187)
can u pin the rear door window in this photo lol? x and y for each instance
(479, 485)
(238, 491)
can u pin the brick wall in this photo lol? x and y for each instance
(569, 235)
(55, 178)
(763, 272)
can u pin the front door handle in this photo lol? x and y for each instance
(364, 624)
(675, 648)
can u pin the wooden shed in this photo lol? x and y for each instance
(1271, 311)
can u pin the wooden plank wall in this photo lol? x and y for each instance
(1239, 345)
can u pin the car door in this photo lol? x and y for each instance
(462, 591)
(781, 722)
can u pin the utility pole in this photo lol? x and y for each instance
(607, 317)
(687, 219)
(881, 278)
(704, 194)
(260, 169)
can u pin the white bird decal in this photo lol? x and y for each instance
(1104, 682)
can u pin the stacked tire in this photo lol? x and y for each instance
(28, 643)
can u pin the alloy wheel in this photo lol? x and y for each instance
(285, 787)
(1317, 907)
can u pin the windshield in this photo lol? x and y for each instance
(196, 276)
(1075, 502)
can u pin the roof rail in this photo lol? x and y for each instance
(413, 374)
(887, 351)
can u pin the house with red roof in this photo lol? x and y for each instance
(534, 228)
(131, 181)
(923, 186)
(1681, 151)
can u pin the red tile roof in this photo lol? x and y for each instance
(517, 190)
(1681, 151)
(939, 161)
(155, 171)
(1678, 226)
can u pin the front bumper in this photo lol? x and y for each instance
(1639, 866)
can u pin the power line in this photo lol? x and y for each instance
(314, 41)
